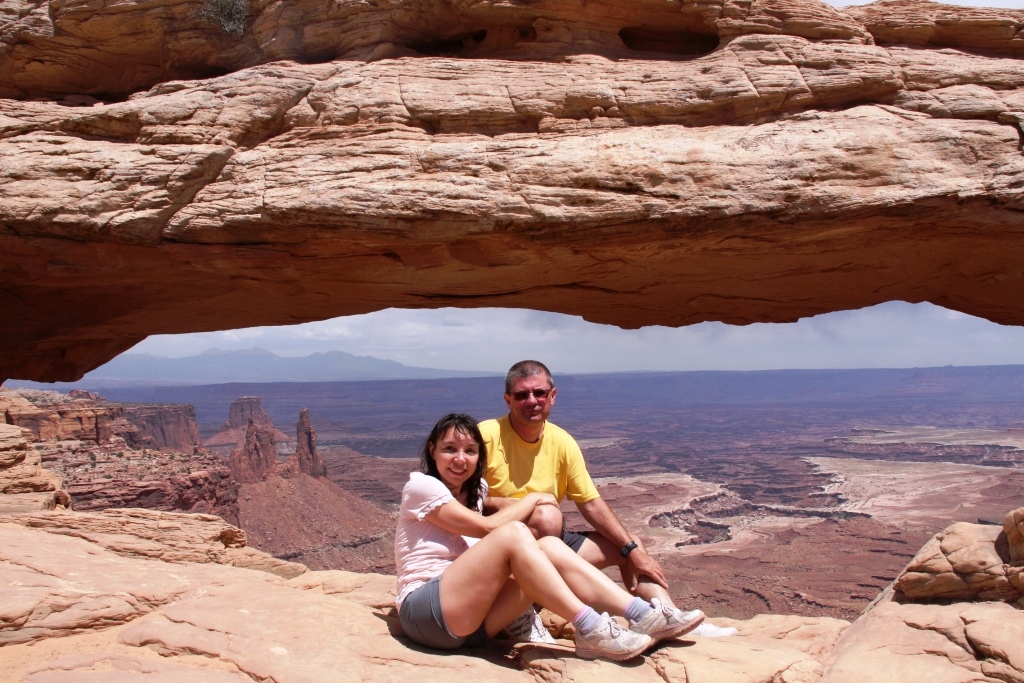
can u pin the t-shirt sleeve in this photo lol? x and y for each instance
(579, 486)
(422, 495)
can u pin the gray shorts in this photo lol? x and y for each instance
(423, 621)
(573, 539)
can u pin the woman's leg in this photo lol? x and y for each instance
(471, 585)
(585, 580)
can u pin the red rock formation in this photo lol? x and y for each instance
(20, 468)
(52, 416)
(107, 461)
(931, 24)
(291, 510)
(170, 428)
(256, 458)
(243, 412)
(637, 163)
(307, 458)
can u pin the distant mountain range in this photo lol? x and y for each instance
(250, 365)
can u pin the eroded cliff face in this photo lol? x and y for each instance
(637, 163)
(105, 461)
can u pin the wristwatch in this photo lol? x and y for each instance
(628, 548)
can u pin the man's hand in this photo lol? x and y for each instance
(639, 563)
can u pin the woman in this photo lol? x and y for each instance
(453, 589)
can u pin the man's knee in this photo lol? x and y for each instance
(546, 520)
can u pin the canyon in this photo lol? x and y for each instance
(76, 448)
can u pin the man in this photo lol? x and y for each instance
(526, 453)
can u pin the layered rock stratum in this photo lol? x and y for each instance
(103, 460)
(638, 163)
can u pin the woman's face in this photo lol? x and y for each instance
(456, 455)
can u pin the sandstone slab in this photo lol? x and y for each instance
(967, 562)
(166, 536)
(57, 586)
(894, 642)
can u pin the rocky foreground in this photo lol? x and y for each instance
(143, 595)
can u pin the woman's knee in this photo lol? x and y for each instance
(553, 546)
(516, 532)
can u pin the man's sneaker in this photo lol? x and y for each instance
(664, 622)
(611, 641)
(528, 628)
(711, 631)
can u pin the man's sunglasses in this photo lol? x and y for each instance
(538, 394)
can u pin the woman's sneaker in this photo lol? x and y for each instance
(664, 622)
(611, 641)
(528, 628)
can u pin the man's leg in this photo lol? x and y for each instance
(600, 552)
(546, 520)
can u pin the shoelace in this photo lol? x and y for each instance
(613, 626)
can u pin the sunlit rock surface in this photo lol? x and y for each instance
(146, 595)
(638, 163)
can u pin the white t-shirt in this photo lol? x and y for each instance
(422, 549)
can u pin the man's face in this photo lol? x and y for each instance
(524, 406)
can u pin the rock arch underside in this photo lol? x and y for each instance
(641, 162)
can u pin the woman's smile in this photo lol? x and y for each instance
(456, 455)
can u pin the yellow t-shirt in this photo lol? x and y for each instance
(552, 465)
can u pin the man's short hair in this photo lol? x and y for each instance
(524, 369)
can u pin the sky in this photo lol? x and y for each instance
(890, 335)
(894, 334)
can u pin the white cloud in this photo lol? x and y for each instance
(894, 334)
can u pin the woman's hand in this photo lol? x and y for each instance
(455, 517)
(541, 499)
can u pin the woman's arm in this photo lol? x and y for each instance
(456, 518)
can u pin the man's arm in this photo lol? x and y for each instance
(638, 562)
(494, 503)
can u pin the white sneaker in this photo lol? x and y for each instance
(665, 622)
(528, 628)
(611, 641)
(707, 630)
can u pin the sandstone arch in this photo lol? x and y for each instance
(815, 160)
